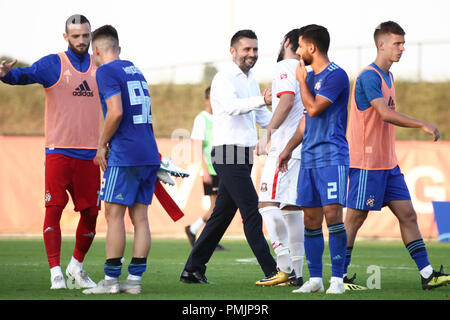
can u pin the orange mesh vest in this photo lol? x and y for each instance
(371, 140)
(72, 109)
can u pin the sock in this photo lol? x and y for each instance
(55, 271)
(348, 258)
(85, 233)
(278, 235)
(314, 246)
(419, 254)
(196, 226)
(113, 268)
(296, 234)
(52, 234)
(137, 267)
(75, 264)
(337, 243)
(427, 271)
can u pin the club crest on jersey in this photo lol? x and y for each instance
(48, 197)
(283, 76)
(371, 201)
(318, 85)
(264, 187)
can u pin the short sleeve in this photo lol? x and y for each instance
(335, 83)
(368, 88)
(108, 84)
(285, 81)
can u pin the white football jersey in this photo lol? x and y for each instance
(285, 82)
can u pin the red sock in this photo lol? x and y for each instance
(85, 233)
(52, 234)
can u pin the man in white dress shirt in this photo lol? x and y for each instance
(237, 106)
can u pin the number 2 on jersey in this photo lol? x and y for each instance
(332, 188)
(140, 99)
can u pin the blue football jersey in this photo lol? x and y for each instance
(133, 144)
(324, 142)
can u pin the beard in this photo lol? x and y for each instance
(80, 50)
(307, 59)
(245, 63)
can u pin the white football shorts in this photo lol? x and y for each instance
(279, 186)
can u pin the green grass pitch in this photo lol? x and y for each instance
(24, 273)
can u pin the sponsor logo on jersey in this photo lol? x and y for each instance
(283, 76)
(391, 103)
(83, 90)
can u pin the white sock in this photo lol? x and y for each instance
(278, 235)
(55, 271)
(109, 278)
(133, 277)
(284, 263)
(296, 231)
(426, 272)
(75, 264)
(195, 227)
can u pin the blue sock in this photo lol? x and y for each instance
(314, 246)
(337, 243)
(137, 266)
(348, 258)
(113, 267)
(418, 252)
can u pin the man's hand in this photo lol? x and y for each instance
(207, 178)
(283, 160)
(431, 130)
(301, 72)
(101, 157)
(268, 96)
(261, 147)
(6, 67)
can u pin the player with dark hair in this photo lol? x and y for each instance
(322, 181)
(72, 129)
(128, 154)
(375, 177)
(277, 197)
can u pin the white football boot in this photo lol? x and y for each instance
(336, 286)
(58, 282)
(104, 286)
(78, 279)
(168, 165)
(131, 286)
(164, 177)
(312, 285)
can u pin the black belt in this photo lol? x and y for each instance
(232, 154)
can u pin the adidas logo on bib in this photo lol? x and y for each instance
(83, 90)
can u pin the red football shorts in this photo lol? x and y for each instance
(81, 178)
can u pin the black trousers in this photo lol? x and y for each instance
(233, 165)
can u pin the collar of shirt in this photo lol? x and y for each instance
(236, 71)
(79, 62)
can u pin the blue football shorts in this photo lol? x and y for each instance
(127, 185)
(373, 189)
(319, 187)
